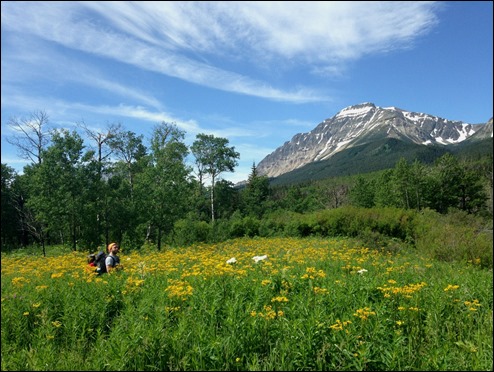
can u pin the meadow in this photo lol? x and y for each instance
(248, 304)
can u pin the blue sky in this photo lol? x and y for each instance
(256, 73)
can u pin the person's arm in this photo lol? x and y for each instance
(110, 263)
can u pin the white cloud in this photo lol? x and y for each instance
(334, 31)
(58, 109)
(141, 113)
(167, 37)
(230, 46)
(312, 31)
(50, 66)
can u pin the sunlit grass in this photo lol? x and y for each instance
(310, 304)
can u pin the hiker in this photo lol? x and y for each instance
(112, 261)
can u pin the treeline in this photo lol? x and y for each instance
(119, 188)
(116, 188)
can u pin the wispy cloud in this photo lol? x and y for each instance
(309, 31)
(58, 108)
(48, 65)
(168, 37)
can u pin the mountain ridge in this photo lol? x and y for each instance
(363, 124)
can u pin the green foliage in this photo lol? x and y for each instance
(255, 194)
(449, 183)
(82, 200)
(349, 221)
(243, 226)
(227, 199)
(133, 240)
(163, 186)
(456, 236)
(362, 194)
(9, 202)
(189, 231)
(315, 304)
(213, 157)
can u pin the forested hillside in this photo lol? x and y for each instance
(118, 188)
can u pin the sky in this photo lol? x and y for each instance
(255, 73)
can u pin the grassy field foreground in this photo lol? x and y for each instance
(310, 304)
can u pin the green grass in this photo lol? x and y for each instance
(313, 304)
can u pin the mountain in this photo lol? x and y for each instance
(477, 145)
(370, 157)
(368, 129)
(484, 132)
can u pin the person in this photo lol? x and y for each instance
(112, 260)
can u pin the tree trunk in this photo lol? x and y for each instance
(212, 199)
(159, 238)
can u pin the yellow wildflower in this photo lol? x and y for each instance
(364, 313)
(19, 281)
(451, 287)
(279, 299)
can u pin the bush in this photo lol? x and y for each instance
(456, 236)
(451, 237)
(251, 226)
(220, 231)
(353, 222)
(187, 231)
(247, 226)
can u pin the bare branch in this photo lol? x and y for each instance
(100, 138)
(32, 137)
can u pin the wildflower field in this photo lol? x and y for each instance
(248, 304)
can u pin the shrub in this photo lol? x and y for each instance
(456, 236)
(189, 231)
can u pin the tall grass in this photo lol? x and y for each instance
(455, 236)
(312, 304)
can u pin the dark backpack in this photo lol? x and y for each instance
(100, 262)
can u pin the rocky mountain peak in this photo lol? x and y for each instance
(360, 124)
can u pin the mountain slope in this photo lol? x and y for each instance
(484, 132)
(361, 125)
(369, 157)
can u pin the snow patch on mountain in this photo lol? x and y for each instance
(360, 124)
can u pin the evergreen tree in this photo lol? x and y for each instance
(256, 193)
(362, 193)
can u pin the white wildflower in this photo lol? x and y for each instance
(259, 258)
(361, 271)
(231, 260)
